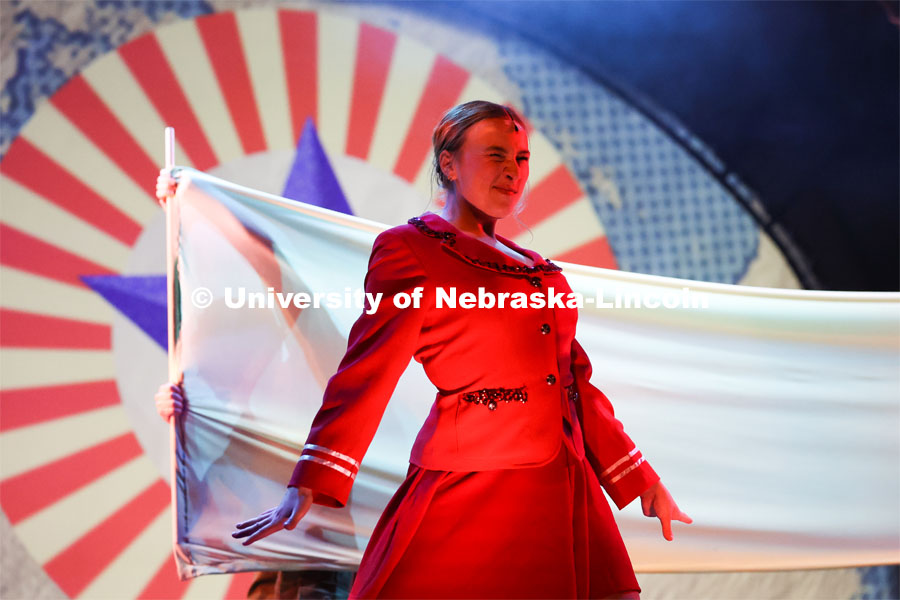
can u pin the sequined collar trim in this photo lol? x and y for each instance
(449, 239)
(445, 236)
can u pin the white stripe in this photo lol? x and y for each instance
(261, 39)
(208, 587)
(52, 132)
(112, 80)
(544, 157)
(478, 89)
(134, 568)
(627, 471)
(43, 296)
(564, 230)
(58, 526)
(328, 463)
(337, 40)
(424, 184)
(187, 56)
(408, 74)
(26, 448)
(619, 462)
(29, 367)
(38, 217)
(349, 459)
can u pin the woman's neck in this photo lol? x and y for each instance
(468, 219)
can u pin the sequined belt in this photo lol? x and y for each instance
(490, 397)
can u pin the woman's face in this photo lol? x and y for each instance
(490, 169)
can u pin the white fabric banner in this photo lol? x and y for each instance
(772, 415)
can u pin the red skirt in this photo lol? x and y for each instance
(538, 532)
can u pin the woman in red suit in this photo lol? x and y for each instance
(503, 494)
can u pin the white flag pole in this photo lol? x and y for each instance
(170, 147)
(171, 240)
(172, 299)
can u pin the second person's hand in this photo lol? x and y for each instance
(169, 400)
(165, 186)
(294, 504)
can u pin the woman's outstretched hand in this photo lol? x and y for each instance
(658, 502)
(294, 504)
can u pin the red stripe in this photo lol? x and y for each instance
(28, 406)
(596, 253)
(36, 171)
(240, 584)
(79, 564)
(373, 61)
(29, 330)
(86, 110)
(165, 584)
(550, 195)
(223, 46)
(27, 253)
(298, 43)
(147, 62)
(445, 84)
(30, 492)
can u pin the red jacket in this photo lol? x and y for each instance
(506, 377)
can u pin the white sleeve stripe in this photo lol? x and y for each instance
(618, 463)
(335, 453)
(627, 471)
(328, 463)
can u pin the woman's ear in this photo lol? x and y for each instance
(446, 164)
